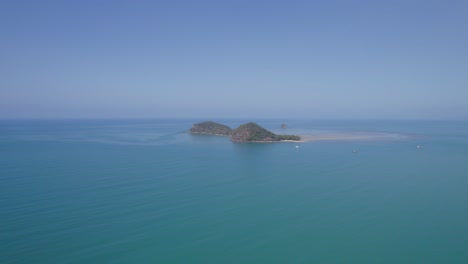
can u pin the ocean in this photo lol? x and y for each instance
(146, 191)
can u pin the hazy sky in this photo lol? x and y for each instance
(317, 59)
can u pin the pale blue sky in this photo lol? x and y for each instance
(312, 59)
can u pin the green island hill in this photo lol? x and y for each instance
(211, 128)
(250, 132)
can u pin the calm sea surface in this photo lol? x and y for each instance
(145, 191)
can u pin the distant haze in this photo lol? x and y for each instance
(308, 59)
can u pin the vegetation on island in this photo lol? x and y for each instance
(249, 132)
(252, 132)
(211, 128)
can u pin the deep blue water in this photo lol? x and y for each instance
(145, 191)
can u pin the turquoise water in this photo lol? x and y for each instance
(144, 191)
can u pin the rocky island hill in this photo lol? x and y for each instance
(252, 132)
(211, 128)
(249, 132)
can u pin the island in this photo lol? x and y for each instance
(284, 126)
(211, 128)
(252, 132)
(249, 132)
